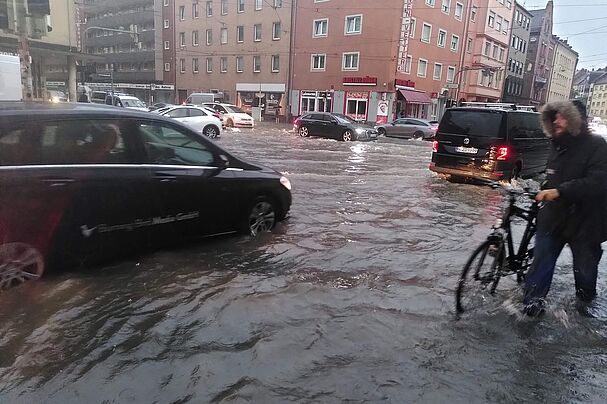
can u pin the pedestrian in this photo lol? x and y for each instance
(574, 211)
(83, 97)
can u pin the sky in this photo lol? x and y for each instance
(584, 24)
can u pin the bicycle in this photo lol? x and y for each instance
(499, 252)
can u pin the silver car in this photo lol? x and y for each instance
(409, 128)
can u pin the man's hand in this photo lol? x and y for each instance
(547, 195)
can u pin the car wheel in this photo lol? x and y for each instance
(381, 132)
(418, 135)
(230, 123)
(211, 131)
(19, 262)
(347, 136)
(260, 217)
(304, 132)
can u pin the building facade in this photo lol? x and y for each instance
(540, 57)
(583, 81)
(563, 70)
(597, 103)
(517, 55)
(122, 33)
(236, 48)
(484, 69)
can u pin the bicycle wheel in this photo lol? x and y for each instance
(480, 276)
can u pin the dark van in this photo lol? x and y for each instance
(489, 143)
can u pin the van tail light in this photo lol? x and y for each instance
(503, 153)
(435, 146)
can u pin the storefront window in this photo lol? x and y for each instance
(315, 101)
(356, 105)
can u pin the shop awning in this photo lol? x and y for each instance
(415, 97)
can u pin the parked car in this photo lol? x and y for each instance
(90, 182)
(333, 126)
(98, 97)
(126, 101)
(201, 120)
(232, 115)
(408, 128)
(56, 96)
(490, 143)
(159, 105)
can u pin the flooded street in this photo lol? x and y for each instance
(349, 300)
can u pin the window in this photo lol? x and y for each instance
(442, 38)
(450, 74)
(509, 4)
(223, 64)
(167, 67)
(240, 34)
(413, 27)
(182, 13)
(320, 28)
(239, 64)
(318, 62)
(350, 61)
(224, 7)
(353, 24)
(473, 14)
(209, 8)
(166, 23)
(487, 51)
(195, 65)
(257, 32)
(165, 3)
(182, 65)
(426, 33)
(469, 45)
(422, 66)
(194, 38)
(240, 8)
(430, 2)
(454, 43)
(505, 26)
(495, 51)
(224, 36)
(209, 37)
(501, 57)
(276, 30)
(195, 10)
(491, 18)
(275, 63)
(209, 65)
(438, 71)
(182, 39)
(459, 11)
(165, 144)
(277, 3)
(408, 63)
(446, 6)
(166, 45)
(258, 4)
(256, 64)
(498, 23)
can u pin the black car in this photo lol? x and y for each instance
(333, 126)
(489, 143)
(84, 182)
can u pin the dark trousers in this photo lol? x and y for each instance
(586, 257)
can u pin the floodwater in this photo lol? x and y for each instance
(350, 300)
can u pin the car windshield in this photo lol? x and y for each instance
(234, 110)
(132, 102)
(472, 123)
(344, 118)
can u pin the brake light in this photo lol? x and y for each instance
(296, 121)
(503, 153)
(435, 146)
(216, 115)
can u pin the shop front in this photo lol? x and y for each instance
(265, 100)
(411, 103)
(315, 101)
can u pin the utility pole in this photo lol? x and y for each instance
(24, 51)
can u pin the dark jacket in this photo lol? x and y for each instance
(577, 167)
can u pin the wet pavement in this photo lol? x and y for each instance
(350, 300)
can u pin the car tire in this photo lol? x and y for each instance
(260, 217)
(418, 135)
(381, 132)
(304, 131)
(19, 262)
(211, 131)
(347, 136)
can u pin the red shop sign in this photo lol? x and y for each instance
(359, 81)
(404, 83)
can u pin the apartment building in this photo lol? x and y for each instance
(238, 48)
(583, 81)
(597, 103)
(540, 56)
(378, 61)
(563, 71)
(517, 55)
(484, 70)
(123, 33)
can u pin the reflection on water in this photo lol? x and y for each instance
(350, 299)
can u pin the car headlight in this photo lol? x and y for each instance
(360, 131)
(285, 182)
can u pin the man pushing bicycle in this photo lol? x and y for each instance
(575, 204)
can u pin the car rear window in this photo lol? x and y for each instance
(473, 123)
(525, 125)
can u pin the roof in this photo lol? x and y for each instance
(602, 79)
(536, 19)
(588, 77)
(69, 109)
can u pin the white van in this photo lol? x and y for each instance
(200, 98)
(126, 101)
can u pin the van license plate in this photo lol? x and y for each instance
(467, 150)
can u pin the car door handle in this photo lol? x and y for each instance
(58, 182)
(166, 178)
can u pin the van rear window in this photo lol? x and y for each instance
(472, 123)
